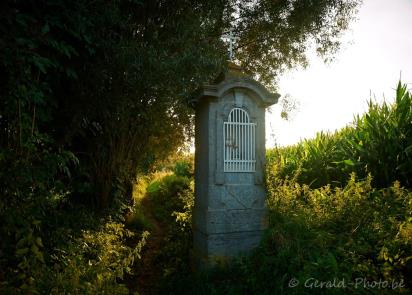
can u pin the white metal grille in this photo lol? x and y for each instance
(239, 142)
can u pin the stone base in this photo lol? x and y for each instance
(220, 248)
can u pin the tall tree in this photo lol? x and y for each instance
(275, 35)
(109, 80)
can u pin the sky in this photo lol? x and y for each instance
(377, 51)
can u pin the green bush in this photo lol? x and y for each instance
(170, 198)
(137, 220)
(69, 250)
(326, 234)
(94, 263)
(164, 193)
(344, 232)
(183, 168)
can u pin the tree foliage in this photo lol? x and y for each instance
(108, 81)
(275, 35)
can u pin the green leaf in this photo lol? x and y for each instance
(39, 242)
(21, 252)
(45, 29)
(71, 73)
(39, 256)
(349, 162)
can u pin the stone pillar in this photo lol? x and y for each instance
(229, 215)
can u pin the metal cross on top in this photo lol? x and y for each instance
(232, 39)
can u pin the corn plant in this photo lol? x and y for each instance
(383, 140)
(377, 143)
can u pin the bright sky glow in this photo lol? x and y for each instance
(378, 52)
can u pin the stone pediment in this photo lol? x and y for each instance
(234, 77)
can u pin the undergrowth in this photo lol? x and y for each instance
(340, 210)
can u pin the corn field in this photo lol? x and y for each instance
(378, 143)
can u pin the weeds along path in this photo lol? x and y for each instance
(147, 271)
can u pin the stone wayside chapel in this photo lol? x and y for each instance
(229, 214)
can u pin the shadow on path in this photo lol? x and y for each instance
(147, 271)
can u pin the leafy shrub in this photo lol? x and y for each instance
(164, 195)
(183, 168)
(178, 241)
(170, 198)
(70, 250)
(139, 189)
(356, 224)
(94, 263)
(326, 233)
(137, 220)
(181, 164)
